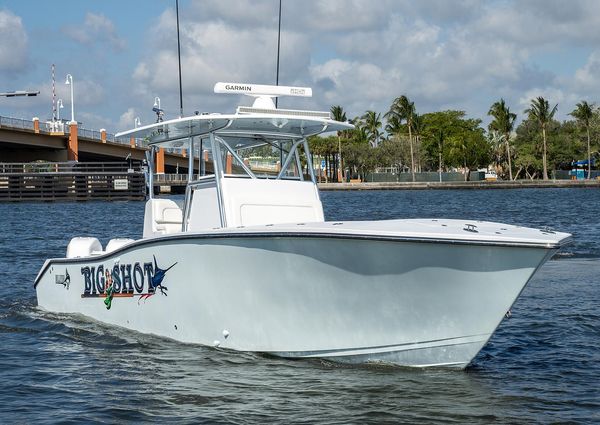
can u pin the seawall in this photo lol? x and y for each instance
(518, 184)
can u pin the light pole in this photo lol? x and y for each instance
(136, 123)
(19, 93)
(158, 109)
(59, 106)
(69, 82)
(440, 150)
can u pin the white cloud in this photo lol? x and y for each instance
(541, 23)
(86, 93)
(127, 118)
(552, 95)
(94, 121)
(96, 28)
(587, 78)
(357, 53)
(13, 43)
(215, 51)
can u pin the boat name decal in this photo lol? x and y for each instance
(123, 280)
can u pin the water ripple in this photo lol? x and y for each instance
(540, 367)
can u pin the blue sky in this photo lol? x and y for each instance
(356, 53)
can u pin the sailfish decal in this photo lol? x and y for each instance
(158, 276)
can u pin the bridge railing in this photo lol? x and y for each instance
(110, 137)
(70, 167)
(16, 123)
(89, 134)
(172, 178)
(21, 124)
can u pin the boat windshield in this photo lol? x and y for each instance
(263, 159)
(271, 144)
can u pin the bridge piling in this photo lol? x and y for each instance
(73, 147)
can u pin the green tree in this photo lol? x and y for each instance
(584, 113)
(497, 144)
(451, 139)
(540, 111)
(527, 148)
(395, 128)
(404, 110)
(418, 128)
(356, 149)
(372, 126)
(324, 147)
(503, 122)
(338, 114)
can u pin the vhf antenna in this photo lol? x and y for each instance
(278, 47)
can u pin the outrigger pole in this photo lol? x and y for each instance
(277, 75)
(179, 60)
(191, 139)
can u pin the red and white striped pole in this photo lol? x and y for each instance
(53, 95)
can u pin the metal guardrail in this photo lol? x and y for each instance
(110, 137)
(16, 123)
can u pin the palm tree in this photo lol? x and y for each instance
(393, 126)
(404, 109)
(583, 112)
(503, 123)
(496, 141)
(372, 124)
(541, 112)
(338, 114)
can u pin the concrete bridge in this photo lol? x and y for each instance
(32, 140)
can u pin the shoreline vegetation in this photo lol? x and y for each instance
(403, 141)
(482, 184)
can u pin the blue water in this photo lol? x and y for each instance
(542, 365)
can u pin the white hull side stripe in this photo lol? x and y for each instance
(304, 235)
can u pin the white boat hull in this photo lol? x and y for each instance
(343, 298)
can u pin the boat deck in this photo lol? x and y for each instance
(418, 230)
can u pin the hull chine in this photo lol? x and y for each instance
(450, 352)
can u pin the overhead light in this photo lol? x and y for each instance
(20, 93)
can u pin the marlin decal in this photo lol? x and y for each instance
(63, 280)
(158, 276)
(156, 281)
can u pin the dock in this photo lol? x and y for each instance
(72, 181)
